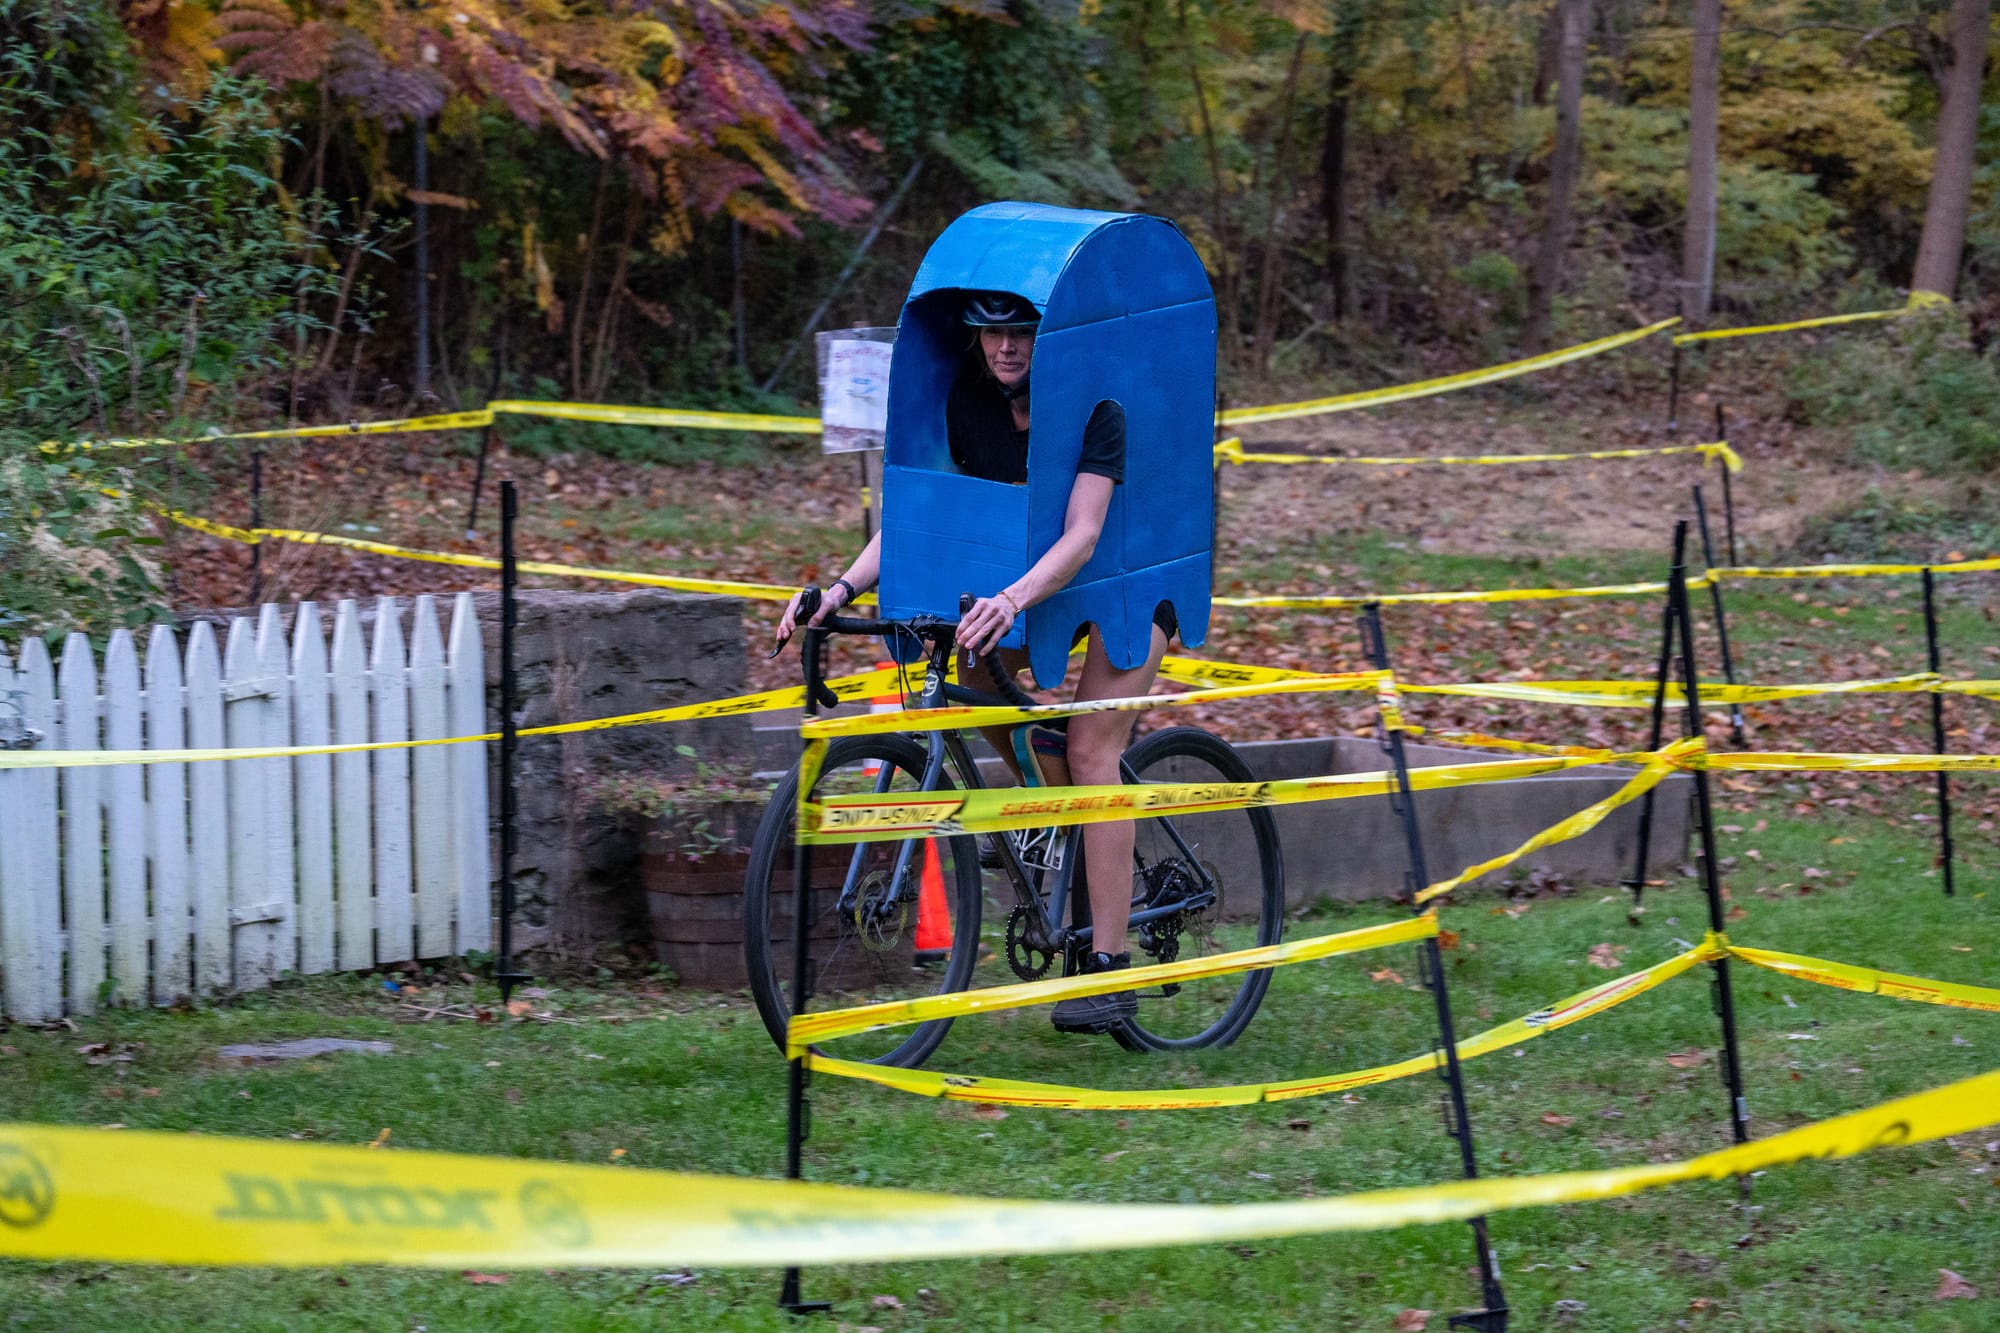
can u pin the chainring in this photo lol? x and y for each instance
(1029, 963)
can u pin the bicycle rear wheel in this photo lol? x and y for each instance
(867, 956)
(1234, 852)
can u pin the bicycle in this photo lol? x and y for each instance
(863, 899)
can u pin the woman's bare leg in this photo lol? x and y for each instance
(1096, 740)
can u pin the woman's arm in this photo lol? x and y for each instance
(991, 617)
(863, 573)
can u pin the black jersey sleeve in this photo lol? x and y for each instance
(1104, 442)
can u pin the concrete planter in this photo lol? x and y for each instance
(695, 902)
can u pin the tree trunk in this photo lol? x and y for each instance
(1333, 186)
(579, 313)
(1704, 92)
(1563, 169)
(1231, 325)
(1958, 132)
(1267, 283)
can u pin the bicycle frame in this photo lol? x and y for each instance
(1046, 910)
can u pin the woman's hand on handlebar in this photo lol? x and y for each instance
(982, 627)
(828, 602)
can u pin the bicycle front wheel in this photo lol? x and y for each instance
(874, 936)
(1229, 856)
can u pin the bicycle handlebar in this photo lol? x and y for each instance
(930, 628)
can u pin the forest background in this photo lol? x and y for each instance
(236, 213)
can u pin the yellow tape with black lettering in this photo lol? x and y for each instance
(862, 685)
(1872, 981)
(1348, 402)
(1232, 451)
(869, 817)
(185, 1199)
(1639, 694)
(807, 1029)
(1016, 1092)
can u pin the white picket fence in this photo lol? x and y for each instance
(148, 883)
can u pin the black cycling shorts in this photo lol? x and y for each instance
(1163, 616)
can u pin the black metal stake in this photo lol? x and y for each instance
(509, 797)
(1937, 734)
(1728, 491)
(867, 499)
(1674, 393)
(798, 1110)
(1663, 675)
(256, 522)
(1721, 620)
(478, 482)
(1711, 870)
(1430, 959)
(421, 388)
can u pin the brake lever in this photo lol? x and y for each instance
(809, 600)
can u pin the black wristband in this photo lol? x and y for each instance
(843, 583)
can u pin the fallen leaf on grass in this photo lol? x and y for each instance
(858, 1328)
(1411, 1321)
(886, 1303)
(381, 1139)
(1702, 1305)
(1606, 956)
(519, 1008)
(1298, 1124)
(1388, 974)
(1735, 914)
(1447, 939)
(1686, 1059)
(1952, 1287)
(1559, 1121)
(617, 1153)
(988, 1113)
(1514, 911)
(1812, 872)
(484, 1279)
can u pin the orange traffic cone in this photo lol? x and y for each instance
(933, 912)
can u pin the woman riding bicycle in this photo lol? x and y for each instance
(986, 417)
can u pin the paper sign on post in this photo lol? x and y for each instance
(854, 388)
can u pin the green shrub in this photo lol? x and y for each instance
(1915, 394)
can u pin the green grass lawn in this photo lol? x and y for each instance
(683, 1080)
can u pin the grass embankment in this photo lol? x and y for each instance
(681, 1080)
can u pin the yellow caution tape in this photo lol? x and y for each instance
(1656, 771)
(1807, 761)
(1310, 601)
(721, 587)
(685, 418)
(1639, 694)
(959, 716)
(182, 1199)
(808, 1029)
(1232, 451)
(405, 425)
(1873, 981)
(868, 817)
(1751, 331)
(1848, 571)
(1348, 402)
(860, 686)
(1015, 1092)
(1201, 671)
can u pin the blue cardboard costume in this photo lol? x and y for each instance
(1127, 315)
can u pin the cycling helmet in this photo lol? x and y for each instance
(1000, 309)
